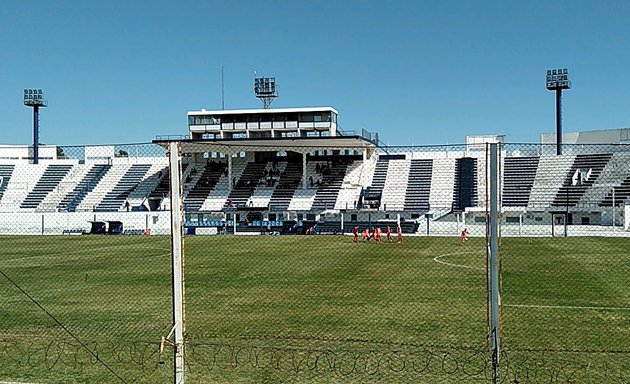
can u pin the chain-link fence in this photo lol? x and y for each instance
(85, 294)
(335, 262)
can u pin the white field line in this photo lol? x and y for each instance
(567, 307)
(437, 259)
(14, 382)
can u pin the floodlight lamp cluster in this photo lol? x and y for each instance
(558, 79)
(34, 98)
(265, 86)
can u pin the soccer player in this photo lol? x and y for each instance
(365, 234)
(377, 234)
(399, 232)
(463, 237)
(388, 232)
(355, 233)
(374, 234)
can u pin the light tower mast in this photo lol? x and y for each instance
(557, 80)
(265, 90)
(34, 98)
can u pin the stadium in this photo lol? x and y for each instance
(244, 170)
(298, 300)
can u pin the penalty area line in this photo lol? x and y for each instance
(567, 307)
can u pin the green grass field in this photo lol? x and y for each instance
(307, 309)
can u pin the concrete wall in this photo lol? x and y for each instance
(55, 223)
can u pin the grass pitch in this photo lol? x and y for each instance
(247, 294)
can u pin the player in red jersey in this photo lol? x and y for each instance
(399, 232)
(365, 234)
(355, 233)
(388, 232)
(463, 237)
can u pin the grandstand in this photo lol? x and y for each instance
(268, 168)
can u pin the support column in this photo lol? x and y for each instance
(229, 161)
(304, 171)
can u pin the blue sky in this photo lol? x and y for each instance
(417, 72)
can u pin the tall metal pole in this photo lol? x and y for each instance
(177, 262)
(559, 121)
(35, 134)
(493, 264)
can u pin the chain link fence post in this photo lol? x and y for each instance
(177, 261)
(493, 265)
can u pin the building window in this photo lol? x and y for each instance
(512, 219)
(306, 117)
(480, 219)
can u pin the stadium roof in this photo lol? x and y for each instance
(265, 110)
(295, 144)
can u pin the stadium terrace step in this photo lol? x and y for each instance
(569, 195)
(5, 174)
(518, 178)
(51, 178)
(115, 199)
(419, 185)
(205, 184)
(329, 187)
(70, 202)
(287, 185)
(465, 186)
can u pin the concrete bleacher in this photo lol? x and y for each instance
(442, 185)
(115, 199)
(288, 183)
(395, 185)
(203, 182)
(330, 185)
(418, 185)
(244, 186)
(5, 175)
(88, 180)
(615, 175)
(47, 182)
(549, 177)
(22, 181)
(350, 190)
(465, 190)
(139, 195)
(518, 179)
(590, 166)
(411, 183)
(217, 198)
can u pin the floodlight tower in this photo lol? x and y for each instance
(35, 98)
(265, 90)
(557, 80)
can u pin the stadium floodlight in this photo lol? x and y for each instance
(34, 98)
(265, 90)
(557, 80)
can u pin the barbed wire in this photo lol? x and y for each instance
(66, 355)
(517, 366)
(141, 360)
